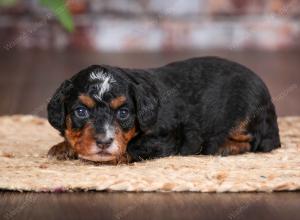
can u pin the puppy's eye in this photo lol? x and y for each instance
(81, 113)
(123, 113)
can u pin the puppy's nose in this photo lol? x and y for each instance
(103, 144)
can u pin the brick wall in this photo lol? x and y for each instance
(156, 25)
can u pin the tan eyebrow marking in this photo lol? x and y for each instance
(117, 102)
(88, 101)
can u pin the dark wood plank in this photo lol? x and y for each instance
(93, 205)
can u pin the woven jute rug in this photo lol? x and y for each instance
(24, 166)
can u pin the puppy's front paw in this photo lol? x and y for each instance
(125, 159)
(62, 151)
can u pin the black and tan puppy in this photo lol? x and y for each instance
(198, 106)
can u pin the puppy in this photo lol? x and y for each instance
(203, 105)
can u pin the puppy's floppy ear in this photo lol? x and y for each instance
(146, 102)
(56, 107)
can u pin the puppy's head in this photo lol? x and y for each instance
(101, 109)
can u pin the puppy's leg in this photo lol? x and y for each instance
(238, 141)
(234, 147)
(192, 142)
(62, 151)
(150, 147)
(265, 130)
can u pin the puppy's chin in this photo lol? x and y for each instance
(99, 157)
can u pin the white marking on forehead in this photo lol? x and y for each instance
(101, 75)
(104, 85)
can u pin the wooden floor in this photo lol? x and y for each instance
(144, 206)
(27, 81)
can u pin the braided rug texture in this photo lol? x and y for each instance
(24, 166)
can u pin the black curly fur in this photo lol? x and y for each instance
(186, 107)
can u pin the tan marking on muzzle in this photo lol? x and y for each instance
(122, 139)
(82, 140)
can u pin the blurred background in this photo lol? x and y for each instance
(44, 42)
(151, 25)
